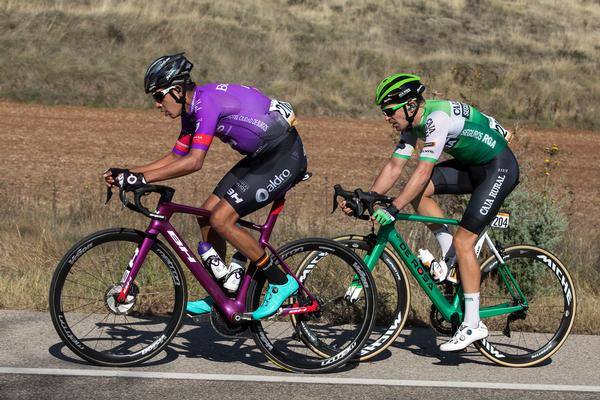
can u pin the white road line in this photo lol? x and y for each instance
(295, 379)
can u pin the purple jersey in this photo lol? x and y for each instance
(238, 115)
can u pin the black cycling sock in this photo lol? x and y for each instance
(273, 273)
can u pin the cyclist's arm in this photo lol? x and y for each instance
(388, 175)
(188, 156)
(182, 165)
(436, 131)
(392, 170)
(161, 162)
(416, 184)
(190, 150)
(181, 148)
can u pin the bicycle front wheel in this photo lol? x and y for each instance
(393, 296)
(545, 289)
(84, 309)
(324, 340)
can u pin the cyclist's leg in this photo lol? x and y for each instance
(268, 177)
(209, 234)
(232, 179)
(493, 182)
(448, 177)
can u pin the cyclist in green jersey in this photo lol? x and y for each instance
(482, 165)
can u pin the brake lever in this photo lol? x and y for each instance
(368, 199)
(109, 194)
(123, 197)
(339, 192)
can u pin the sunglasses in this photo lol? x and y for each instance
(159, 95)
(390, 111)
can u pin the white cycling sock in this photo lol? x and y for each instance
(472, 309)
(444, 238)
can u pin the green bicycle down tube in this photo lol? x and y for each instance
(418, 272)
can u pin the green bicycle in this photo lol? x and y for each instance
(527, 296)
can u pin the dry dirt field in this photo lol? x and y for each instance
(58, 152)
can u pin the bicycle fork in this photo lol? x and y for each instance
(133, 267)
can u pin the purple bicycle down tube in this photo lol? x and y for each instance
(228, 306)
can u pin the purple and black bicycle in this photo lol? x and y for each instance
(118, 296)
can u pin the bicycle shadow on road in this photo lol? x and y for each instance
(198, 340)
(58, 351)
(193, 341)
(202, 341)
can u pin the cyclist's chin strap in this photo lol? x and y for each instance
(411, 118)
(181, 100)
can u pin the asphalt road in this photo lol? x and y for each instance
(34, 364)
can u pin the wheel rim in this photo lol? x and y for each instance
(336, 331)
(535, 333)
(393, 297)
(90, 319)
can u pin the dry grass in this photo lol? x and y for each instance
(518, 60)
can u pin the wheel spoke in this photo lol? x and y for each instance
(115, 337)
(542, 322)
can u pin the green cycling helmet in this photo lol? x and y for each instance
(398, 89)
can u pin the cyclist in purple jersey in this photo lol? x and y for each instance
(256, 126)
(238, 115)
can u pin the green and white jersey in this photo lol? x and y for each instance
(459, 129)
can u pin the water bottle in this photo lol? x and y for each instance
(437, 269)
(212, 260)
(426, 257)
(235, 272)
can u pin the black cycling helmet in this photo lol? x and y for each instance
(167, 71)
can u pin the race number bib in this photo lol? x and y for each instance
(285, 109)
(500, 221)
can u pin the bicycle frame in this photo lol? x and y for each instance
(232, 308)
(450, 310)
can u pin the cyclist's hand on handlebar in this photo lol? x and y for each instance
(386, 215)
(111, 174)
(129, 181)
(347, 210)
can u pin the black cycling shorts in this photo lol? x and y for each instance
(256, 181)
(489, 185)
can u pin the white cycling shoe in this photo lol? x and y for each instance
(464, 336)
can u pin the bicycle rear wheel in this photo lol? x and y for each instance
(83, 303)
(393, 296)
(530, 336)
(339, 328)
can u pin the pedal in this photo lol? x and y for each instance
(197, 318)
(247, 316)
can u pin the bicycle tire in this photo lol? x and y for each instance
(548, 320)
(393, 297)
(340, 326)
(85, 270)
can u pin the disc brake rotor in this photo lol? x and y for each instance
(116, 307)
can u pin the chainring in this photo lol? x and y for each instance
(437, 320)
(439, 323)
(226, 328)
